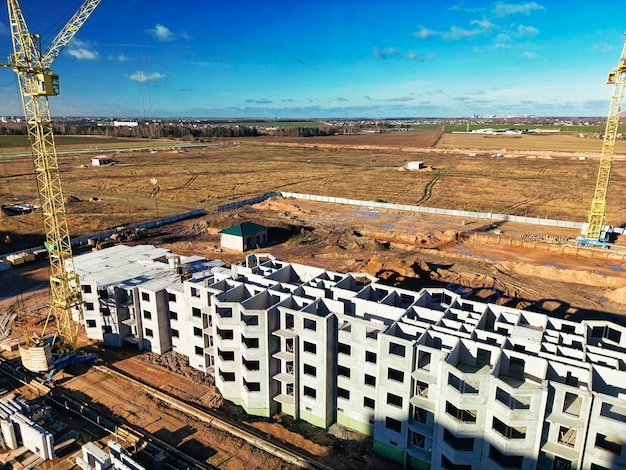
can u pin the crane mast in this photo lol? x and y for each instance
(594, 234)
(37, 82)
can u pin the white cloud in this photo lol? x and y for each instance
(455, 32)
(425, 33)
(461, 33)
(502, 9)
(162, 33)
(81, 50)
(603, 47)
(529, 55)
(527, 31)
(483, 24)
(420, 58)
(385, 52)
(140, 76)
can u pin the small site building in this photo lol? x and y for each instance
(415, 166)
(101, 160)
(243, 237)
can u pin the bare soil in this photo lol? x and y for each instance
(552, 184)
(526, 266)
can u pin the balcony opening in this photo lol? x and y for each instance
(506, 461)
(465, 416)
(572, 404)
(567, 436)
(423, 360)
(609, 443)
(447, 464)
(420, 415)
(421, 389)
(509, 432)
(458, 443)
(418, 440)
(561, 464)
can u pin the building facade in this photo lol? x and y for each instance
(437, 380)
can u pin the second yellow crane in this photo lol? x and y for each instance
(595, 234)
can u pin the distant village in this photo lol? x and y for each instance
(198, 129)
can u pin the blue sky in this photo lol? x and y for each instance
(318, 58)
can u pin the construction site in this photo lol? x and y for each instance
(423, 301)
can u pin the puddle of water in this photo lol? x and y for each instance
(557, 266)
(386, 226)
(368, 214)
(617, 267)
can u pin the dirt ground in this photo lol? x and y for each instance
(524, 266)
(552, 184)
(416, 250)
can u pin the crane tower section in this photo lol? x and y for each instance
(617, 78)
(37, 82)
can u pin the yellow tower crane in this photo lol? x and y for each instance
(595, 235)
(37, 82)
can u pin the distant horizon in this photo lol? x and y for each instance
(340, 60)
(311, 119)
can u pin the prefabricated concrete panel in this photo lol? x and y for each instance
(8, 434)
(34, 437)
(94, 458)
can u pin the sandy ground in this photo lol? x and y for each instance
(416, 250)
(410, 250)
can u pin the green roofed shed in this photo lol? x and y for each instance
(244, 236)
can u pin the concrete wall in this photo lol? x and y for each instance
(409, 208)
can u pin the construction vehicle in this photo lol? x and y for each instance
(595, 234)
(37, 82)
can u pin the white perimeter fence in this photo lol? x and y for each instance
(407, 208)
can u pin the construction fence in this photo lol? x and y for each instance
(78, 241)
(29, 253)
(408, 208)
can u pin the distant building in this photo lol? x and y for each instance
(438, 380)
(125, 123)
(244, 236)
(101, 160)
(415, 165)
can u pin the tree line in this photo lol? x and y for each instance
(184, 131)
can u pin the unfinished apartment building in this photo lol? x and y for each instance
(438, 381)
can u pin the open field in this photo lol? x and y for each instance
(537, 183)
(409, 250)
(19, 143)
(544, 143)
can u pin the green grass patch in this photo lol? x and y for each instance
(279, 124)
(425, 127)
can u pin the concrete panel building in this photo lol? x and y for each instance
(438, 381)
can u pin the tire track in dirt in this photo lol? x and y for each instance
(428, 190)
(509, 209)
(189, 182)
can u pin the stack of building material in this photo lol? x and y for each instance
(14, 423)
